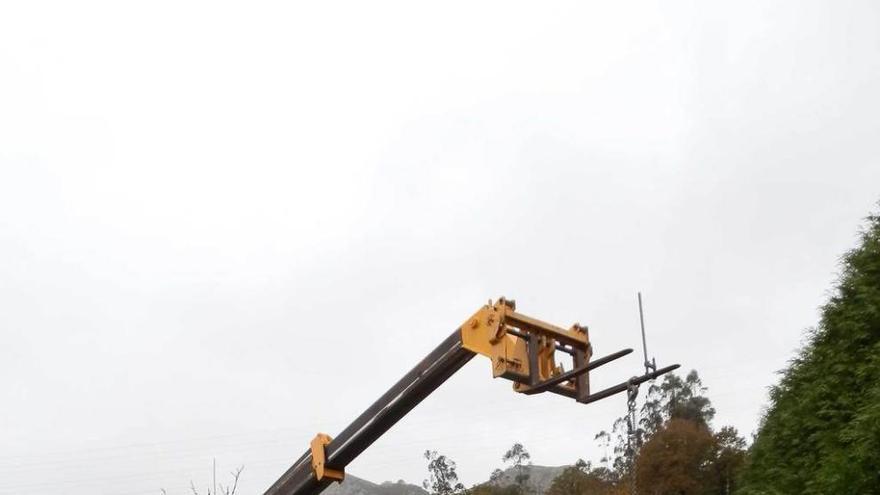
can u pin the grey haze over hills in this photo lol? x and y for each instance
(540, 479)
(358, 486)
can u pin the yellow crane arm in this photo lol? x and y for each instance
(521, 348)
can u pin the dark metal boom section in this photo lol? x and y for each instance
(400, 399)
(521, 349)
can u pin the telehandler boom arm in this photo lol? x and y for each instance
(522, 349)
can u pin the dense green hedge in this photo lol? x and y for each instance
(821, 433)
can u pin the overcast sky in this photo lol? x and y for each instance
(226, 226)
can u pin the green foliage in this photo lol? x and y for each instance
(673, 398)
(582, 479)
(495, 490)
(518, 457)
(821, 433)
(442, 476)
(729, 457)
(673, 449)
(676, 398)
(678, 459)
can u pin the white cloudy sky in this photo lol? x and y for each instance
(225, 226)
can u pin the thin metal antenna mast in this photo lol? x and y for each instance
(633, 436)
(652, 364)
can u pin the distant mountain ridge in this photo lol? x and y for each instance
(359, 486)
(540, 479)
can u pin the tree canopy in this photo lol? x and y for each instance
(582, 478)
(442, 475)
(821, 432)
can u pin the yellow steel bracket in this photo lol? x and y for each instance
(498, 332)
(319, 459)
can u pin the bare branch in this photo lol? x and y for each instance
(235, 475)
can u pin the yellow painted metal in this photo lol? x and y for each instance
(573, 336)
(496, 331)
(319, 459)
(485, 333)
(490, 332)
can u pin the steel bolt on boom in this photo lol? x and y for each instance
(521, 348)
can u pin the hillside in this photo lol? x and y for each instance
(358, 486)
(540, 479)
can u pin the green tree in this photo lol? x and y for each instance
(442, 475)
(676, 398)
(728, 460)
(582, 479)
(821, 432)
(518, 457)
(674, 449)
(495, 490)
(677, 459)
(672, 398)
